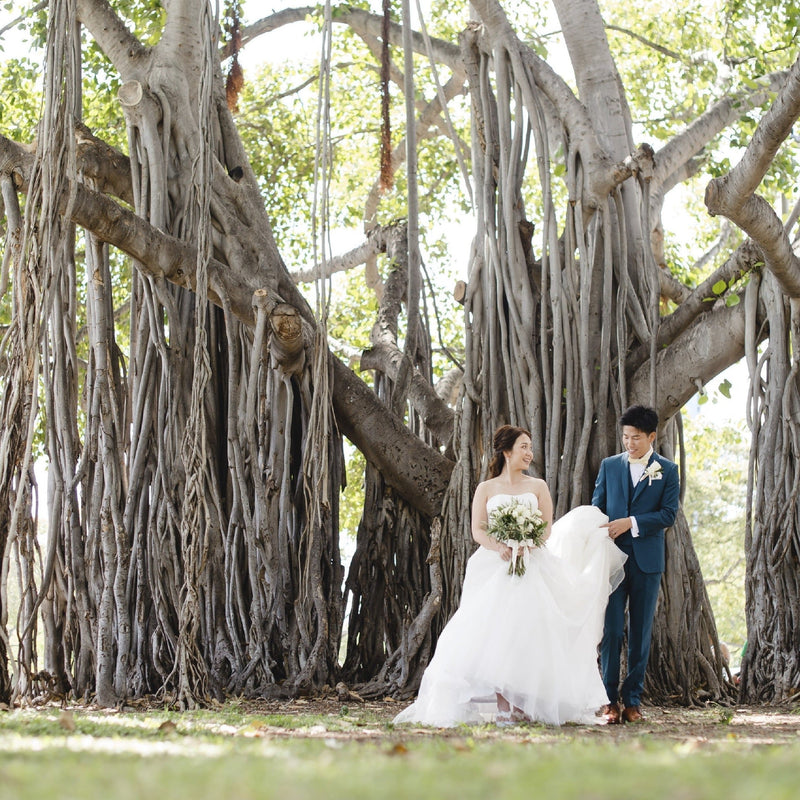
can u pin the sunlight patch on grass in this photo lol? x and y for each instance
(111, 745)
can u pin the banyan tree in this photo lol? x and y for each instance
(192, 410)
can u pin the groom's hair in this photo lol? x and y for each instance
(642, 418)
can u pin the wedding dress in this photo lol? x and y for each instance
(532, 638)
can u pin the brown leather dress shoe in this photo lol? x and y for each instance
(632, 714)
(611, 713)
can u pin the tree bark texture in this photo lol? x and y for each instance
(392, 587)
(677, 671)
(771, 663)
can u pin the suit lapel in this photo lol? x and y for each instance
(625, 474)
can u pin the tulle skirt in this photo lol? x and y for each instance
(531, 638)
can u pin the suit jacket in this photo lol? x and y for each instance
(654, 503)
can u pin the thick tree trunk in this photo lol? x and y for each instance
(686, 664)
(771, 662)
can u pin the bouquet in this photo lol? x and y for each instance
(517, 525)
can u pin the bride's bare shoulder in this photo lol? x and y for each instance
(487, 487)
(491, 487)
(538, 485)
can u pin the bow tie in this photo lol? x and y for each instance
(643, 460)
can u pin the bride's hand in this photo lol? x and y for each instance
(505, 551)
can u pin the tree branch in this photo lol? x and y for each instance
(603, 172)
(109, 169)
(362, 22)
(687, 144)
(648, 43)
(671, 288)
(346, 261)
(733, 195)
(30, 12)
(439, 417)
(709, 346)
(110, 33)
(700, 301)
(419, 472)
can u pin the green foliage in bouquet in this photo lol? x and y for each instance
(519, 526)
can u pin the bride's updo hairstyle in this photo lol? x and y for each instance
(504, 438)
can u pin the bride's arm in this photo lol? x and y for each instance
(480, 521)
(545, 506)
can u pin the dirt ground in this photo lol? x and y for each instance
(363, 720)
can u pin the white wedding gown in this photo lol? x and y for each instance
(532, 638)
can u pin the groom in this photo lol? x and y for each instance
(639, 492)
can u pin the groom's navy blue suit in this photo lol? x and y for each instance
(654, 505)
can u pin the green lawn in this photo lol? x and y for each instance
(233, 754)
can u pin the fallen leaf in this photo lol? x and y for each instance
(66, 719)
(168, 726)
(254, 730)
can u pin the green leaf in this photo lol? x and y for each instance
(732, 300)
(725, 388)
(702, 400)
(719, 287)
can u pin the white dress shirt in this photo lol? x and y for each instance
(637, 470)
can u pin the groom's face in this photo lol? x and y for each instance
(636, 442)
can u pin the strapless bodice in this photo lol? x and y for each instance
(496, 500)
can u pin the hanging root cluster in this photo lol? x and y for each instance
(550, 321)
(192, 549)
(771, 663)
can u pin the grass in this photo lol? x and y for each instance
(230, 753)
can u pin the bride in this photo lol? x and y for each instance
(524, 647)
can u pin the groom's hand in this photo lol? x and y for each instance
(618, 526)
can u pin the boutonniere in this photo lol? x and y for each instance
(652, 472)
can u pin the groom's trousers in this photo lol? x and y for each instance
(639, 591)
